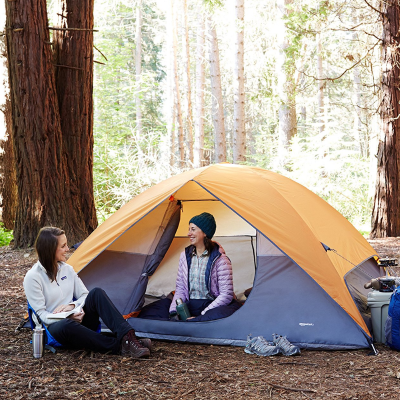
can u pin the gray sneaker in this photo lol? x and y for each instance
(260, 346)
(287, 348)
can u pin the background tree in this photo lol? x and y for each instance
(239, 133)
(386, 210)
(45, 190)
(216, 91)
(73, 58)
(286, 86)
(200, 85)
(138, 66)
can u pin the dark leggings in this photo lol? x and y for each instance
(72, 334)
(159, 310)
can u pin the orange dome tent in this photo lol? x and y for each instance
(305, 261)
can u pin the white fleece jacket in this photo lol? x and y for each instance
(44, 296)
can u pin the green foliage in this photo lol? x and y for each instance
(119, 154)
(5, 235)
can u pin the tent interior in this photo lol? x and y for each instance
(118, 268)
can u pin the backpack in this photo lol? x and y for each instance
(392, 324)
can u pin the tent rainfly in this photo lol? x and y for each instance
(305, 262)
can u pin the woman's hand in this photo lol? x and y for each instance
(63, 307)
(190, 318)
(78, 317)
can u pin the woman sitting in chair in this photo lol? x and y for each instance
(204, 281)
(51, 286)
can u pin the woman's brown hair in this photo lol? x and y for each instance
(209, 245)
(46, 246)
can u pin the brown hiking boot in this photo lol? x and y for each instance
(130, 346)
(145, 342)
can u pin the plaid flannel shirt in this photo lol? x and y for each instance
(197, 276)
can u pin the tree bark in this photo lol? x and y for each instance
(75, 99)
(216, 92)
(200, 83)
(138, 67)
(47, 194)
(177, 95)
(8, 182)
(239, 133)
(386, 210)
(186, 63)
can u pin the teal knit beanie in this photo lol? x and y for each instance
(206, 222)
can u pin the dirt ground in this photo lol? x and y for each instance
(182, 371)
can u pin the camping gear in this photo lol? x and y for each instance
(378, 303)
(34, 319)
(182, 310)
(258, 345)
(381, 284)
(274, 231)
(38, 341)
(392, 325)
(285, 347)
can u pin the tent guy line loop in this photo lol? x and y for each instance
(327, 248)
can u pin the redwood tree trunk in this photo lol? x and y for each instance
(385, 215)
(73, 54)
(8, 183)
(47, 194)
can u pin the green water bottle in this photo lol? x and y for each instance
(182, 310)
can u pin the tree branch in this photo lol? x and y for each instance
(100, 52)
(344, 72)
(53, 28)
(375, 9)
(67, 66)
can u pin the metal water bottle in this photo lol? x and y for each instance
(38, 342)
(182, 310)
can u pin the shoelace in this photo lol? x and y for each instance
(261, 345)
(285, 344)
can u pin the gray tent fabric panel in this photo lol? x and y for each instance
(153, 261)
(116, 273)
(355, 280)
(284, 300)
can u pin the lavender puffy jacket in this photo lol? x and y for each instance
(219, 272)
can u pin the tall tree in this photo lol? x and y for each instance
(177, 94)
(286, 87)
(386, 210)
(239, 133)
(73, 54)
(200, 83)
(186, 63)
(170, 100)
(216, 92)
(138, 66)
(8, 183)
(47, 193)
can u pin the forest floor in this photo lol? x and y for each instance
(182, 371)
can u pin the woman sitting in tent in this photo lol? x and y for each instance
(204, 281)
(51, 287)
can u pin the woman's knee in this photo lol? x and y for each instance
(63, 328)
(97, 292)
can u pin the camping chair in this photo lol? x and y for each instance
(50, 342)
